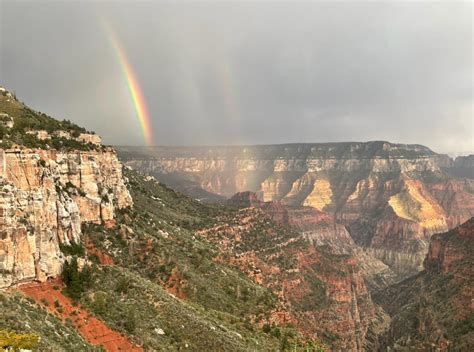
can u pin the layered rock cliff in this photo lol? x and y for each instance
(45, 196)
(54, 176)
(390, 197)
(277, 172)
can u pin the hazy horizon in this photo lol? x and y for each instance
(452, 154)
(225, 73)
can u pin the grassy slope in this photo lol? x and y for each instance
(155, 254)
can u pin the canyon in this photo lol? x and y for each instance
(389, 197)
(321, 247)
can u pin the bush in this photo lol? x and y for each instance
(99, 305)
(123, 285)
(3, 131)
(76, 281)
(73, 249)
(130, 323)
(14, 341)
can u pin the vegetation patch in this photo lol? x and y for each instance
(14, 341)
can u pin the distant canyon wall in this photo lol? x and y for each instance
(391, 197)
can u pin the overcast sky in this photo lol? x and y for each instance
(253, 73)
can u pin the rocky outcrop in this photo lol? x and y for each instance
(245, 200)
(391, 197)
(45, 196)
(452, 252)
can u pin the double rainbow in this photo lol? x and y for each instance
(136, 93)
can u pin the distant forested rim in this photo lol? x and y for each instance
(296, 150)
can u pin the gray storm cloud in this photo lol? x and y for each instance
(227, 73)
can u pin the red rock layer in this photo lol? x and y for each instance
(93, 330)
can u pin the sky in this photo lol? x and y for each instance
(248, 72)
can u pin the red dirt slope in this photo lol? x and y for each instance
(92, 329)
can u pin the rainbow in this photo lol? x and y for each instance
(136, 93)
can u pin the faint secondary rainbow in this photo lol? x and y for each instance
(133, 87)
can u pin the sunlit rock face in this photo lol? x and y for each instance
(45, 196)
(390, 197)
(414, 203)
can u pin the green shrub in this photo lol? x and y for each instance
(73, 249)
(122, 285)
(76, 281)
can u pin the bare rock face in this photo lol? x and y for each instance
(45, 196)
(390, 197)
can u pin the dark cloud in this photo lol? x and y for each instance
(218, 73)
